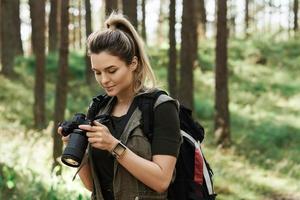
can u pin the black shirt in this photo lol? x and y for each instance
(166, 141)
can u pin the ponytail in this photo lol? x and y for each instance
(121, 39)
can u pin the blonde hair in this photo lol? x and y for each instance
(121, 39)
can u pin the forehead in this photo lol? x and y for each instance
(104, 59)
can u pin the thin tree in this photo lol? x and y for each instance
(79, 24)
(144, 35)
(8, 44)
(110, 5)
(17, 25)
(172, 73)
(38, 23)
(0, 31)
(201, 18)
(188, 53)
(130, 10)
(246, 18)
(296, 6)
(62, 81)
(52, 38)
(161, 21)
(88, 30)
(222, 121)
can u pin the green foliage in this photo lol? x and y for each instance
(26, 66)
(263, 162)
(18, 184)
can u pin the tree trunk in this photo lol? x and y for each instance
(144, 34)
(8, 44)
(0, 32)
(188, 54)
(296, 4)
(246, 18)
(201, 18)
(232, 18)
(222, 122)
(161, 19)
(172, 74)
(17, 26)
(38, 23)
(62, 81)
(88, 30)
(53, 42)
(110, 5)
(130, 10)
(79, 24)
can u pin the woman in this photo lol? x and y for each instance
(122, 163)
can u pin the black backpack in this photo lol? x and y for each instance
(193, 179)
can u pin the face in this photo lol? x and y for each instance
(113, 74)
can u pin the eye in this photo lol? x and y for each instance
(111, 71)
(97, 73)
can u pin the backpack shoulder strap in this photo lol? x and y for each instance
(97, 103)
(146, 103)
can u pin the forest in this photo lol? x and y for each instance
(234, 63)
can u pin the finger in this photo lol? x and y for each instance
(59, 130)
(65, 139)
(93, 134)
(96, 123)
(93, 140)
(87, 127)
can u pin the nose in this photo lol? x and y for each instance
(104, 79)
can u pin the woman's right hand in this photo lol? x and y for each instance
(65, 139)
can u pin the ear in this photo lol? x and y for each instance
(134, 63)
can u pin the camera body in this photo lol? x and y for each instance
(78, 141)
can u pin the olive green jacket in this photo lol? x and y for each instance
(125, 185)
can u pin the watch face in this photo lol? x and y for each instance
(119, 149)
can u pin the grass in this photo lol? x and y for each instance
(262, 163)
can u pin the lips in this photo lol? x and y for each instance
(109, 88)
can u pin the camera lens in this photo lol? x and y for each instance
(74, 152)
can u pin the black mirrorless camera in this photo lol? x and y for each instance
(78, 141)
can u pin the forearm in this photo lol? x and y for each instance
(156, 174)
(86, 177)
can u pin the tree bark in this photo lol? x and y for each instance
(222, 122)
(17, 26)
(188, 54)
(53, 40)
(201, 18)
(130, 10)
(38, 23)
(172, 73)
(144, 34)
(88, 30)
(296, 6)
(0, 32)
(62, 81)
(79, 24)
(110, 5)
(8, 44)
(247, 18)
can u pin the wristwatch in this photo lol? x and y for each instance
(118, 150)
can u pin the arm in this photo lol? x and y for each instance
(156, 174)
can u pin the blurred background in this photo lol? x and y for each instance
(235, 63)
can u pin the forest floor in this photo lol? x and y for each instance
(262, 163)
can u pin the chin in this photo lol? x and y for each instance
(111, 93)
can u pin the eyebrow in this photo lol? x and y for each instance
(106, 68)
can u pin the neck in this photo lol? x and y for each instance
(125, 98)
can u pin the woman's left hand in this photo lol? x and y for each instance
(99, 136)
